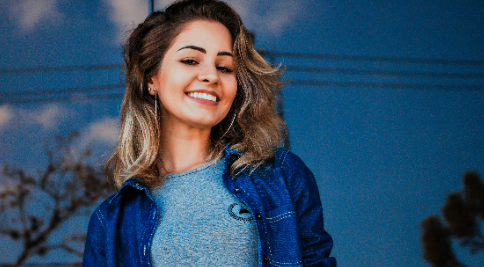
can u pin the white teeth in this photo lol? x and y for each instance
(203, 96)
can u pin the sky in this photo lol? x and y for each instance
(385, 149)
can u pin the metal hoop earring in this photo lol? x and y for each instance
(232, 122)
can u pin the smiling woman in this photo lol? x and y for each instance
(201, 180)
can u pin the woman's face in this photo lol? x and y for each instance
(196, 83)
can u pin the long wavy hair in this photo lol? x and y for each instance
(254, 132)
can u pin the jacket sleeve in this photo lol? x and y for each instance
(315, 242)
(95, 250)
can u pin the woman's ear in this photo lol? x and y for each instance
(151, 85)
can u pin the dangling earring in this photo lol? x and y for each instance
(232, 122)
(156, 106)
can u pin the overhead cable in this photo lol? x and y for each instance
(443, 87)
(401, 73)
(60, 68)
(77, 95)
(75, 90)
(374, 58)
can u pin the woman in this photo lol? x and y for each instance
(200, 180)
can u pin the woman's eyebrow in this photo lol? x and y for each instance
(225, 54)
(222, 53)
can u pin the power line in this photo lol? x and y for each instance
(442, 87)
(60, 68)
(88, 93)
(374, 58)
(76, 90)
(271, 54)
(350, 71)
(427, 74)
(100, 92)
(63, 98)
(50, 97)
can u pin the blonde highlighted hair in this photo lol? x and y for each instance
(256, 129)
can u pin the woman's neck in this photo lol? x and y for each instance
(183, 149)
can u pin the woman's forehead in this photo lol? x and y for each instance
(204, 33)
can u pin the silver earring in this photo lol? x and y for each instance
(232, 122)
(156, 106)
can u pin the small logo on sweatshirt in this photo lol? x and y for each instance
(240, 212)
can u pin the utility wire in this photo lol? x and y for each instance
(63, 98)
(270, 54)
(100, 92)
(87, 93)
(374, 58)
(351, 71)
(47, 97)
(428, 74)
(442, 87)
(77, 90)
(61, 68)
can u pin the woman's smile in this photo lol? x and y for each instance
(204, 97)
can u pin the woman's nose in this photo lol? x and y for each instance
(209, 75)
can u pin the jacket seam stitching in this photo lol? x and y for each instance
(297, 263)
(100, 217)
(281, 216)
(286, 152)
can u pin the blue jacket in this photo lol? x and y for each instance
(283, 198)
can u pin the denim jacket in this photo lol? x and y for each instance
(282, 196)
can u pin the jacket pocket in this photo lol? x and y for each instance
(283, 241)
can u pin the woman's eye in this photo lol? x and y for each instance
(189, 61)
(225, 69)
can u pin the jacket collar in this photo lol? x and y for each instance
(131, 183)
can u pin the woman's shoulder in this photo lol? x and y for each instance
(285, 159)
(293, 169)
(107, 205)
(127, 190)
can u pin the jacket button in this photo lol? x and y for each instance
(258, 216)
(237, 190)
(265, 259)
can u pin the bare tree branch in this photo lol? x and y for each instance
(72, 186)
